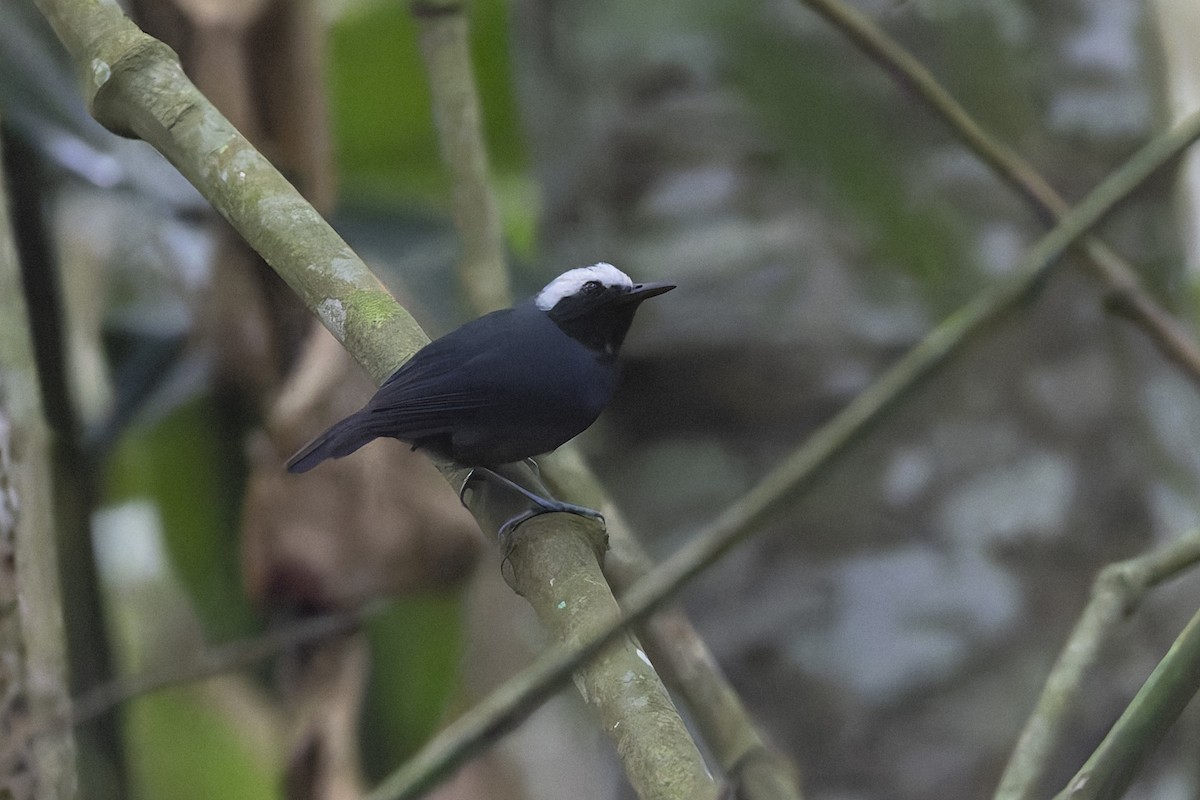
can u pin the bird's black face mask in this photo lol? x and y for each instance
(599, 316)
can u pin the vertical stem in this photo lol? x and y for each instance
(445, 49)
(483, 281)
(33, 671)
(679, 653)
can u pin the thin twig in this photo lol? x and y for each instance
(1118, 590)
(219, 660)
(1126, 293)
(1172, 685)
(515, 699)
(1044, 728)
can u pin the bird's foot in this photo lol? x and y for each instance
(548, 507)
(541, 505)
(510, 526)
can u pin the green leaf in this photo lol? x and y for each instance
(416, 649)
(190, 467)
(385, 139)
(182, 745)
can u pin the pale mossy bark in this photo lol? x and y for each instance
(554, 562)
(556, 567)
(37, 757)
(660, 757)
(680, 654)
(135, 86)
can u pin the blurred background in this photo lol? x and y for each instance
(890, 632)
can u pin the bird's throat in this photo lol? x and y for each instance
(601, 330)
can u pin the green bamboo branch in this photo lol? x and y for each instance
(33, 661)
(513, 701)
(1116, 593)
(135, 87)
(619, 685)
(794, 474)
(560, 575)
(679, 653)
(1126, 294)
(676, 649)
(1110, 769)
(1111, 595)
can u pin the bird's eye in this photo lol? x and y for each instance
(592, 287)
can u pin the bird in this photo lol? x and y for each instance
(506, 387)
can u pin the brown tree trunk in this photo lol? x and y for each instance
(37, 758)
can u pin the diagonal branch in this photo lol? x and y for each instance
(1110, 769)
(1125, 290)
(1117, 591)
(518, 697)
(680, 654)
(676, 649)
(135, 86)
(223, 658)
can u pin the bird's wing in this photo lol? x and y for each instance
(429, 393)
(452, 351)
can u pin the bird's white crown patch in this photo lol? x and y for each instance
(573, 280)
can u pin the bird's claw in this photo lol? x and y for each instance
(539, 505)
(466, 484)
(550, 507)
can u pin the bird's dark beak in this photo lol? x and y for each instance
(643, 291)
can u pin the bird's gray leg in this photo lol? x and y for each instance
(542, 505)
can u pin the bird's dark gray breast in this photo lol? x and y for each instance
(508, 386)
(544, 389)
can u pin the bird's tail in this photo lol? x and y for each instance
(341, 440)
